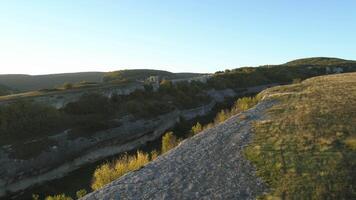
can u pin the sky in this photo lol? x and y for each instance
(43, 37)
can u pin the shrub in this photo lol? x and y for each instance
(81, 193)
(197, 128)
(169, 141)
(222, 116)
(109, 172)
(244, 104)
(58, 197)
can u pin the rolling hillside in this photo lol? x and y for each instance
(35, 130)
(300, 137)
(22, 82)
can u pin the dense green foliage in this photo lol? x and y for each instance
(306, 149)
(25, 120)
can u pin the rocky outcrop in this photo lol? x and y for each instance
(209, 165)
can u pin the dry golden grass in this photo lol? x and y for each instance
(109, 172)
(306, 150)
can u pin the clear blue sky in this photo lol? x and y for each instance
(39, 37)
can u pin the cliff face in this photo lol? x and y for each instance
(209, 165)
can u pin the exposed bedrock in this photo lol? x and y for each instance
(209, 165)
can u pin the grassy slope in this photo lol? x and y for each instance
(307, 149)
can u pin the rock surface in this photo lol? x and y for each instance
(209, 165)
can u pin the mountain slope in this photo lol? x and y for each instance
(303, 145)
(209, 165)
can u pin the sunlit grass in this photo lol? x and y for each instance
(306, 150)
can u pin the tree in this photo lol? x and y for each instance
(166, 85)
(169, 141)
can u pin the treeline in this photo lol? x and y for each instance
(24, 120)
(286, 73)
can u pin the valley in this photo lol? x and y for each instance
(77, 127)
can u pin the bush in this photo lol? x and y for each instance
(109, 172)
(81, 193)
(197, 128)
(58, 197)
(169, 141)
(245, 103)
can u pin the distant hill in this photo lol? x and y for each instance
(320, 61)
(24, 82)
(142, 74)
(285, 73)
(4, 90)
